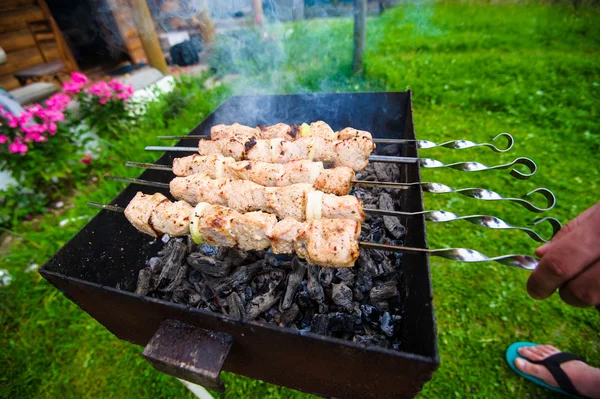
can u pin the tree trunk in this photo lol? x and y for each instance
(360, 27)
(145, 26)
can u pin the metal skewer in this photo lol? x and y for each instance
(453, 144)
(436, 188)
(477, 193)
(458, 254)
(490, 222)
(423, 162)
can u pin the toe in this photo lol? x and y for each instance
(535, 370)
(532, 352)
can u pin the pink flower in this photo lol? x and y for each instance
(72, 87)
(13, 122)
(123, 95)
(52, 128)
(79, 77)
(103, 101)
(18, 147)
(87, 159)
(58, 102)
(3, 139)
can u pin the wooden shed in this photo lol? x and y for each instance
(83, 34)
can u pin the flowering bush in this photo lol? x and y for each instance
(37, 147)
(105, 106)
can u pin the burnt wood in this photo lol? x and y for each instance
(98, 270)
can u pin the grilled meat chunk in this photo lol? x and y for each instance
(155, 215)
(336, 181)
(330, 242)
(221, 131)
(250, 230)
(284, 234)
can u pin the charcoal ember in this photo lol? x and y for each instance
(235, 306)
(260, 283)
(180, 295)
(313, 286)
(389, 324)
(386, 171)
(370, 314)
(208, 265)
(208, 250)
(155, 264)
(382, 306)
(319, 324)
(195, 299)
(288, 316)
(239, 277)
(178, 279)
(383, 291)
(357, 293)
(378, 232)
(277, 260)
(367, 264)
(144, 281)
(293, 283)
(341, 322)
(346, 276)
(385, 265)
(326, 275)
(194, 276)
(303, 297)
(342, 296)
(392, 224)
(172, 261)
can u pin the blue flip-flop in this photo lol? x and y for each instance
(552, 363)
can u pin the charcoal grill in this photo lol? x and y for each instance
(98, 270)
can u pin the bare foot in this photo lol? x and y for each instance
(586, 379)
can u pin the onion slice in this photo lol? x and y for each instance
(304, 130)
(311, 149)
(314, 205)
(194, 222)
(315, 170)
(219, 168)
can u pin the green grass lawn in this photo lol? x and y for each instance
(476, 70)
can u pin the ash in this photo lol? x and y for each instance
(363, 304)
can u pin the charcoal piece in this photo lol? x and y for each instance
(369, 266)
(326, 276)
(341, 295)
(386, 171)
(370, 314)
(208, 250)
(389, 324)
(234, 256)
(303, 297)
(175, 252)
(194, 277)
(357, 293)
(314, 288)
(239, 277)
(372, 340)
(178, 279)
(289, 316)
(319, 324)
(235, 306)
(392, 224)
(382, 306)
(195, 299)
(346, 276)
(341, 322)
(144, 279)
(260, 283)
(383, 291)
(156, 264)
(180, 295)
(262, 303)
(391, 149)
(208, 265)
(364, 282)
(293, 283)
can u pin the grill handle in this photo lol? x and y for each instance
(189, 353)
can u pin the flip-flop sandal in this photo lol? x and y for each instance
(552, 363)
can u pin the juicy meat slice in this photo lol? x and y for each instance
(247, 196)
(278, 131)
(323, 149)
(251, 229)
(172, 218)
(288, 151)
(295, 172)
(330, 242)
(200, 164)
(210, 147)
(263, 173)
(155, 215)
(226, 131)
(215, 225)
(342, 207)
(288, 202)
(139, 211)
(201, 188)
(284, 234)
(336, 181)
(235, 146)
(350, 133)
(354, 153)
(260, 151)
(321, 129)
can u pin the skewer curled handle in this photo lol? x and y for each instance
(462, 255)
(456, 144)
(476, 166)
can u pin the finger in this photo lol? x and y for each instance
(583, 290)
(567, 228)
(566, 259)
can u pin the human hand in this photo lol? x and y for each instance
(571, 262)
